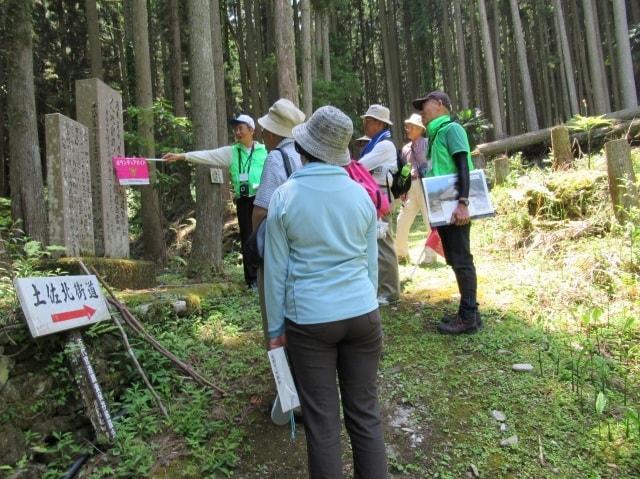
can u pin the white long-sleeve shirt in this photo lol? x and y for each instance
(219, 157)
(381, 160)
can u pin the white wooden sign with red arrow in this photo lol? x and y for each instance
(58, 303)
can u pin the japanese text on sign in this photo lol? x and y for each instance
(58, 303)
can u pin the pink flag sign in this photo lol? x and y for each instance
(131, 171)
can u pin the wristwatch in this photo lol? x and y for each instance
(463, 201)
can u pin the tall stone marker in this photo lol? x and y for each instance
(69, 185)
(100, 109)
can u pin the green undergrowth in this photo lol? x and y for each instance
(558, 289)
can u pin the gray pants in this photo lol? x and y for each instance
(351, 347)
(388, 276)
(263, 306)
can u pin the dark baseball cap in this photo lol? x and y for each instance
(441, 96)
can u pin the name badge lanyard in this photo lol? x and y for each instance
(244, 175)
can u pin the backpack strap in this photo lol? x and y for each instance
(286, 161)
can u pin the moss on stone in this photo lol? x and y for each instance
(119, 273)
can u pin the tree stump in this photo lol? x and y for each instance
(561, 145)
(501, 169)
(479, 161)
(622, 180)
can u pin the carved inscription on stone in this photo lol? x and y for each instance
(69, 185)
(100, 108)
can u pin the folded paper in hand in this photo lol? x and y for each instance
(287, 392)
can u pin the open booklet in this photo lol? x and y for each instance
(442, 197)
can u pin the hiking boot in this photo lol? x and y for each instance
(447, 318)
(458, 325)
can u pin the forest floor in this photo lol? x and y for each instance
(557, 291)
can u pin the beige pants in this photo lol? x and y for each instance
(415, 204)
(388, 277)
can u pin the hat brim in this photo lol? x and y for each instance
(419, 102)
(234, 122)
(326, 153)
(383, 120)
(409, 122)
(277, 129)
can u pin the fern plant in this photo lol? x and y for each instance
(587, 124)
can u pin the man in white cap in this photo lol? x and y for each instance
(283, 159)
(380, 158)
(414, 154)
(245, 160)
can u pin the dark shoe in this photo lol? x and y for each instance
(447, 318)
(458, 326)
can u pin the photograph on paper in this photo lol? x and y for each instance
(441, 195)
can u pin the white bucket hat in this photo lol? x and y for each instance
(415, 120)
(379, 112)
(326, 135)
(282, 117)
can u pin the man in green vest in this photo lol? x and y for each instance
(245, 160)
(450, 154)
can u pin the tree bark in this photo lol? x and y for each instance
(150, 213)
(391, 75)
(206, 251)
(497, 57)
(252, 55)
(527, 90)
(305, 37)
(565, 54)
(245, 80)
(326, 49)
(622, 180)
(93, 37)
(4, 184)
(462, 62)
(561, 147)
(600, 96)
(501, 169)
(175, 69)
(317, 40)
(285, 51)
(448, 76)
(412, 74)
(477, 63)
(625, 64)
(490, 70)
(611, 62)
(27, 191)
(218, 68)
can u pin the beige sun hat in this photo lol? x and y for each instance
(415, 120)
(363, 138)
(379, 112)
(326, 135)
(282, 117)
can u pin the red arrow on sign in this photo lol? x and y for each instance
(87, 311)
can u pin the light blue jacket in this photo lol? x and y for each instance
(321, 252)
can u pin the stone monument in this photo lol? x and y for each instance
(99, 108)
(69, 185)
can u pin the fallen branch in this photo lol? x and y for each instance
(134, 324)
(125, 339)
(627, 120)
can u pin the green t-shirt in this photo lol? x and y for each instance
(446, 138)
